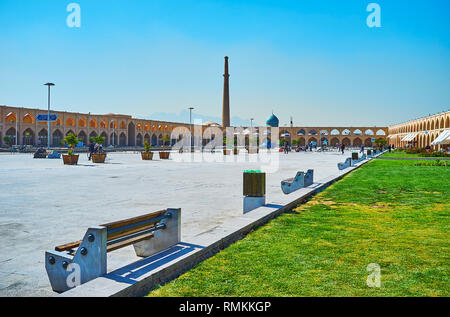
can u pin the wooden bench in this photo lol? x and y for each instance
(149, 234)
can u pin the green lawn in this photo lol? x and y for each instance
(388, 212)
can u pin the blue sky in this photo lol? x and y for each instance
(316, 61)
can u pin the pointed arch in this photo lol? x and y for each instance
(28, 119)
(93, 123)
(70, 122)
(57, 137)
(28, 137)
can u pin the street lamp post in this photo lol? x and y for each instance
(17, 117)
(190, 126)
(48, 114)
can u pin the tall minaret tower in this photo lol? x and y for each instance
(226, 96)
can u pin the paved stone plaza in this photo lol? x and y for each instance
(45, 203)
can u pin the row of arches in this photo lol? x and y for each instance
(420, 141)
(28, 137)
(69, 122)
(357, 142)
(335, 132)
(427, 124)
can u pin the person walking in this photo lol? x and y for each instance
(91, 149)
(362, 149)
(342, 148)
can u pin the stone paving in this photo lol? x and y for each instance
(44, 203)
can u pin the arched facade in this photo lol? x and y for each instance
(117, 129)
(423, 131)
(124, 130)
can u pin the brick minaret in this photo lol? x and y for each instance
(226, 96)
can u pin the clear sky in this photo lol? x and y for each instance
(317, 61)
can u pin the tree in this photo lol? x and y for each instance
(147, 147)
(71, 140)
(7, 140)
(98, 139)
(380, 142)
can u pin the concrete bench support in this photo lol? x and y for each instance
(300, 180)
(347, 163)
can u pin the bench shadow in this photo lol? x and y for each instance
(131, 272)
(273, 206)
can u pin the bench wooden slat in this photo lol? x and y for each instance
(128, 242)
(122, 233)
(121, 223)
(68, 246)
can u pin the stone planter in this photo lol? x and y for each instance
(355, 156)
(147, 156)
(98, 157)
(164, 155)
(254, 184)
(70, 159)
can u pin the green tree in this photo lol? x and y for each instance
(380, 142)
(71, 140)
(7, 140)
(98, 139)
(147, 147)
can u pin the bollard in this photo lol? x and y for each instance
(254, 190)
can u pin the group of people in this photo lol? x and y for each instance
(94, 148)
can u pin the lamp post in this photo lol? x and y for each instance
(17, 117)
(190, 126)
(48, 114)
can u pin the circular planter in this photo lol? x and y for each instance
(235, 151)
(70, 159)
(226, 152)
(164, 155)
(147, 156)
(98, 157)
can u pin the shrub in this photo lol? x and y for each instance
(147, 147)
(433, 163)
(72, 140)
(98, 139)
(7, 140)
(433, 154)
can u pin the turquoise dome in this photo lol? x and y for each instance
(273, 121)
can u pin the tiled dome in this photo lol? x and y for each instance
(273, 121)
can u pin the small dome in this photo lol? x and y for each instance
(273, 121)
